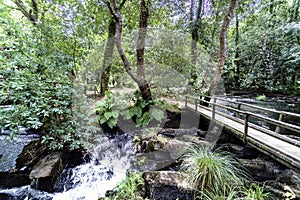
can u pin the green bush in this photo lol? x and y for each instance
(130, 106)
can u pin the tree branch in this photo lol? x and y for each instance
(21, 6)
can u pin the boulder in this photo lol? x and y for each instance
(45, 172)
(31, 154)
(164, 157)
(166, 185)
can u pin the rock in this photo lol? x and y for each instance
(290, 177)
(173, 119)
(245, 152)
(10, 180)
(163, 157)
(45, 173)
(31, 153)
(166, 185)
(171, 133)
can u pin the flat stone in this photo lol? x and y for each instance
(46, 172)
(165, 185)
(48, 166)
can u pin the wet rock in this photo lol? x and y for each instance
(172, 133)
(31, 154)
(10, 180)
(166, 185)
(45, 173)
(163, 157)
(245, 152)
(77, 157)
(173, 119)
(290, 177)
(262, 170)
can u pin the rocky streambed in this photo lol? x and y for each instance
(42, 174)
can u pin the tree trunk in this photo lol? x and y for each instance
(140, 51)
(115, 11)
(223, 47)
(237, 63)
(195, 27)
(108, 55)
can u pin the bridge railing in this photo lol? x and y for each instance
(243, 117)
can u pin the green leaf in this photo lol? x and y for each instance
(156, 114)
(115, 114)
(107, 115)
(102, 120)
(112, 123)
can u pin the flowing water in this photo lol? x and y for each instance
(89, 181)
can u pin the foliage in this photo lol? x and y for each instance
(133, 187)
(37, 80)
(129, 107)
(258, 192)
(265, 50)
(222, 194)
(261, 97)
(212, 170)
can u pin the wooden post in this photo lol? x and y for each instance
(85, 89)
(186, 99)
(95, 91)
(237, 115)
(246, 128)
(196, 104)
(281, 117)
(214, 109)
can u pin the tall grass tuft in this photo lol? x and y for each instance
(212, 170)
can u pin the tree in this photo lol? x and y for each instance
(223, 47)
(144, 15)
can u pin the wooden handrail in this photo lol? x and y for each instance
(259, 107)
(278, 123)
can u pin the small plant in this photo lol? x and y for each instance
(212, 170)
(261, 98)
(133, 187)
(257, 192)
(223, 194)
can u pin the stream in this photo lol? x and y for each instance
(89, 181)
(112, 159)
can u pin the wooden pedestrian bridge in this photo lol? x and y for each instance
(236, 116)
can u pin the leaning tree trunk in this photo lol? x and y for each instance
(223, 47)
(140, 80)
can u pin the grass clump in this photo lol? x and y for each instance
(212, 173)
